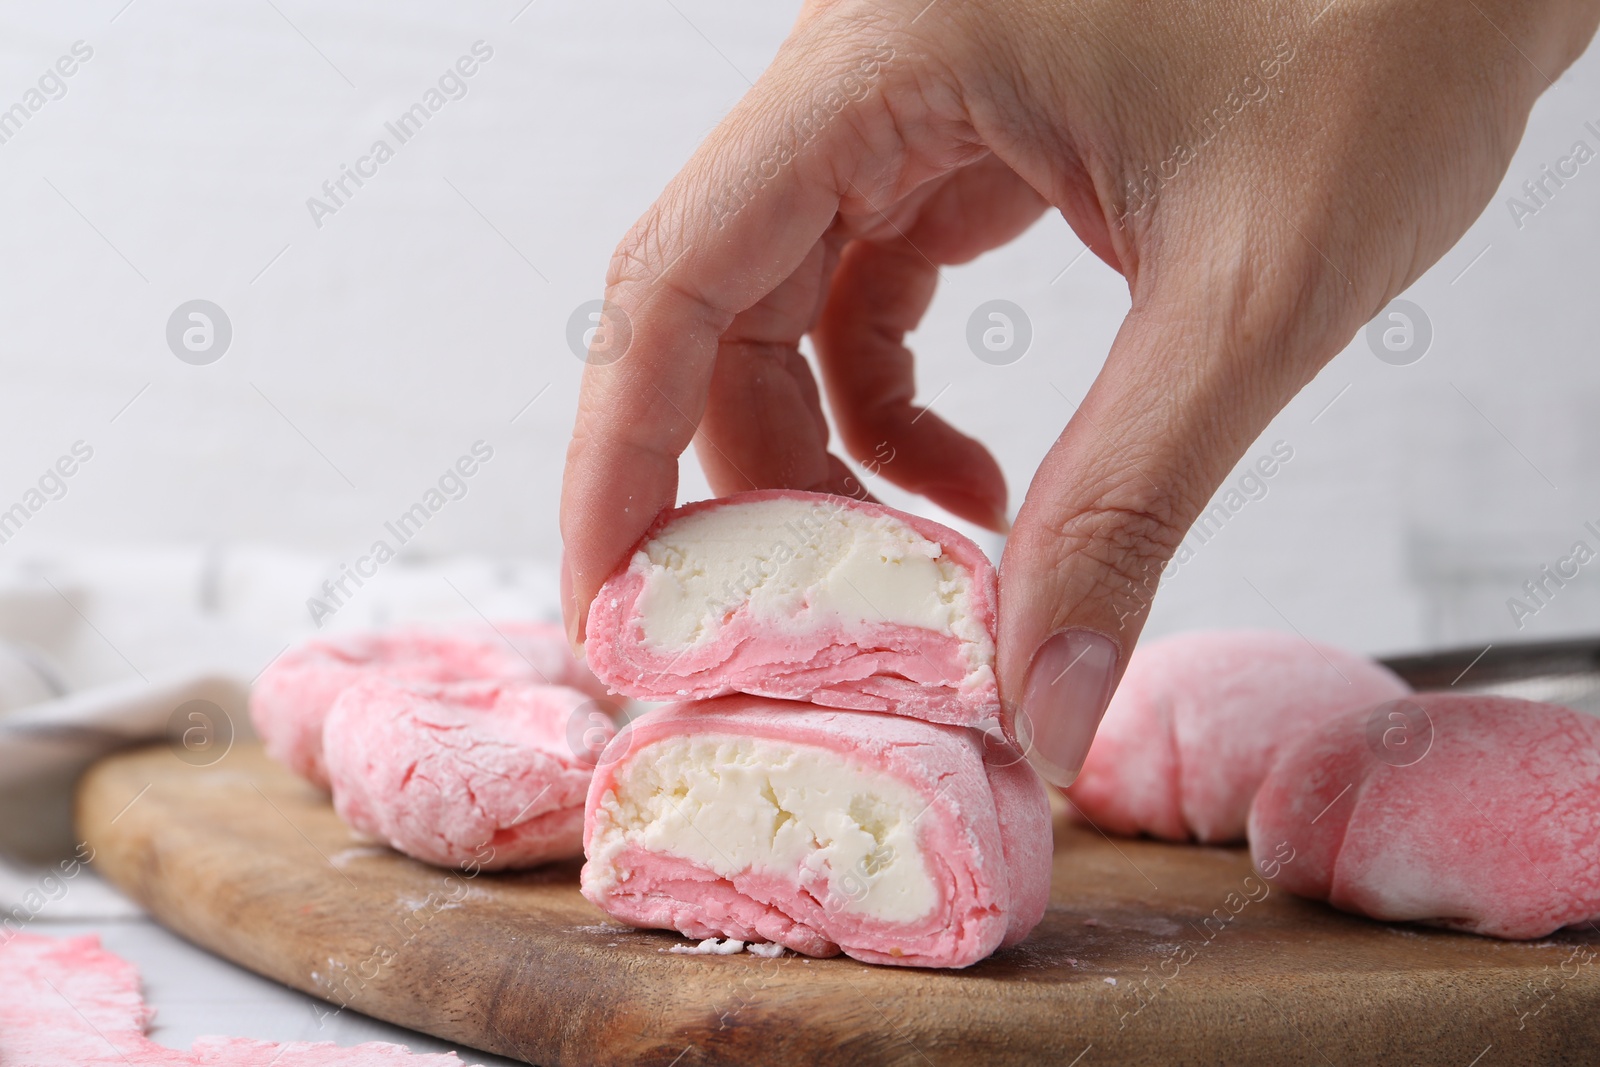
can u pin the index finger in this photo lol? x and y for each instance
(739, 219)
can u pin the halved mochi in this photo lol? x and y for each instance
(802, 596)
(886, 838)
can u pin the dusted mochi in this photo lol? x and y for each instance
(69, 1001)
(1197, 719)
(489, 775)
(802, 596)
(884, 837)
(290, 701)
(1468, 811)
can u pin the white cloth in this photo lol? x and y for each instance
(99, 648)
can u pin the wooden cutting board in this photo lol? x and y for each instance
(1150, 954)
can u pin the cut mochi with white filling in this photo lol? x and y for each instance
(736, 804)
(823, 831)
(802, 596)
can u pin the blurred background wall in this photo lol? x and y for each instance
(374, 345)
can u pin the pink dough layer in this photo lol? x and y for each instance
(488, 775)
(72, 1002)
(986, 837)
(864, 664)
(1474, 812)
(291, 698)
(1197, 719)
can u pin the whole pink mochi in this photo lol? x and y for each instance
(290, 700)
(1197, 719)
(490, 775)
(982, 833)
(1473, 812)
(863, 659)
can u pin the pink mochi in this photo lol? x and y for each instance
(290, 700)
(1197, 719)
(71, 1002)
(982, 833)
(863, 658)
(483, 775)
(1467, 811)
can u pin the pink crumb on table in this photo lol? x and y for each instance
(864, 662)
(290, 701)
(490, 775)
(70, 1001)
(985, 838)
(1197, 719)
(1468, 811)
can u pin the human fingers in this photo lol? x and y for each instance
(741, 218)
(879, 293)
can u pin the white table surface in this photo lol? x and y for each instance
(195, 993)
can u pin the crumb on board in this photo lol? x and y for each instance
(713, 946)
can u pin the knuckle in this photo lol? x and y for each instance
(1272, 308)
(1117, 547)
(638, 258)
(651, 268)
(1271, 284)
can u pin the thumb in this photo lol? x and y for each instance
(1197, 371)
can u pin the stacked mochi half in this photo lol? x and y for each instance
(818, 782)
(466, 746)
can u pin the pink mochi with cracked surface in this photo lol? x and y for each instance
(802, 596)
(1467, 811)
(1197, 719)
(70, 1001)
(290, 701)
(485, 775)
(884, 837)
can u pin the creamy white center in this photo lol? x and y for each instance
(792, 563)
(737, 804)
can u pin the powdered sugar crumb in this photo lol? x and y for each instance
(713, 946)
(345, 856)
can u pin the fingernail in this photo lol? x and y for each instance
(575, 636)
(569, 610)
(1068, 688)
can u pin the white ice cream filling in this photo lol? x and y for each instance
(793, 563)
(741, 804)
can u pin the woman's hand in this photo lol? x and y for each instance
(1265, 177)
